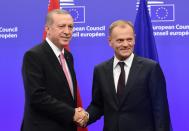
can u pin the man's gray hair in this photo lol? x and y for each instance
(49, 20)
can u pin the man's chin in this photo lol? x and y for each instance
(125, 56)
(65, 43)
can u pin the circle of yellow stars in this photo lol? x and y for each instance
(163, 9)
(76, 16)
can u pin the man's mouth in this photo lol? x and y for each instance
(65, 38)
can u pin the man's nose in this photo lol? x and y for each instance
(66, 30)
(125, 43)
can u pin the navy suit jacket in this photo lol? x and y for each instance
(49, 105)
(144, 105)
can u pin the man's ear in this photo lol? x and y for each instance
(110, 41)
(46, 28)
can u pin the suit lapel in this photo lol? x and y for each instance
(110, 81)
(135, 67)
(55, 62)
(52, 57)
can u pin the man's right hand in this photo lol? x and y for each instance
(81, 117)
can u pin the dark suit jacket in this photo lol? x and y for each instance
(144, 105)
(49, 105)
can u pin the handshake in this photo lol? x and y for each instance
(81, 117)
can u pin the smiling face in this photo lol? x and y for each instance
(122, 40)
(60, 30)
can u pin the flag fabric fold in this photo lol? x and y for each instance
(145, 42)
(55, 4)
(145, 45)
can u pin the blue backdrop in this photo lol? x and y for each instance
(22, 25)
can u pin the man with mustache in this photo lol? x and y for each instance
(50, 81)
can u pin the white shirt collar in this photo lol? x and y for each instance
(128, 61)
(55, 49)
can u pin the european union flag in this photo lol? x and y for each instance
(145, 43)
(162, 12)
(77, 12)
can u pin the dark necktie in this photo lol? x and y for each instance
(121, 80)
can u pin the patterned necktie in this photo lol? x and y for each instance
(121, 80)
(66, 72)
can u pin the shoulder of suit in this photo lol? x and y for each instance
(37, 50)
(105, 63)
(38, 47)
(145, 61)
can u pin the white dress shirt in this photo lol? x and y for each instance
(117, 68)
